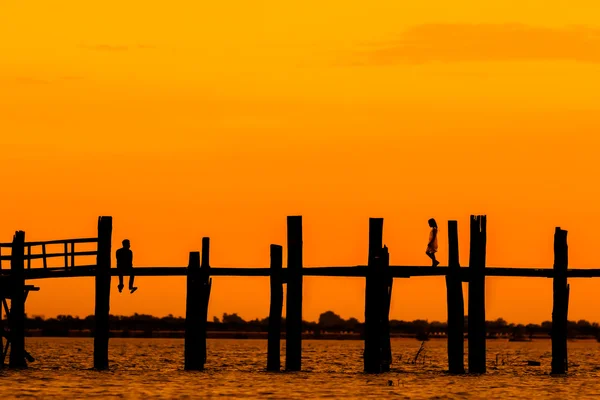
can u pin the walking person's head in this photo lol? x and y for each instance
(126, 244)
(432, 223)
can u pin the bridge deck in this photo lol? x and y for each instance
(341, 271)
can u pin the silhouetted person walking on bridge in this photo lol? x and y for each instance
(432, 246)
(125, 265)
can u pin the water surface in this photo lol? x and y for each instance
(153, 368)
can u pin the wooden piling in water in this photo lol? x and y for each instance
(293, 319)
(387, 284)
(560, 303)
(206, 287)
(373, 299)
(193, 357)
(477, 331)
(101, 319)
(456, 305)
(16, 318)
(276, 307)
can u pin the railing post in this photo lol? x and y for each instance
(293, 320)
(103, 263)
(456, 305)
(16, 319)
(560, 303)
(274, 338)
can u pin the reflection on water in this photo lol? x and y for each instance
(153, 368)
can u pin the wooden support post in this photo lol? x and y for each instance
(16, 318)
(293, 314)
(193, 356)
(206, 285)
(388, 281)
(101, 319)
(456, 305)
(274, 338)
(560, 303)
(373, 297)
(198, 295)
(477, 331)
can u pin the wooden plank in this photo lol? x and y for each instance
(64, 255)
(373, 297)
(59, 241)
(275, 309)
(560, 306)
(102, 308)
(477, 330)
(28, 257)
(342, 271)
(293, 321)
(72, 254)
(456, 305)
(16, 318)
(193, 358)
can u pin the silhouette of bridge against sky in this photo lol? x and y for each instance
(41, 260)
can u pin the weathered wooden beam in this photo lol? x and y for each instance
(102, 309)
(373, 299)
(560, 303)
(456, 305)
(293, 318)
(276, 307)
(16, 318)
(477, 330)
(193, 358)
(358, 271)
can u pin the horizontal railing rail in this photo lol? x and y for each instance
(69, 253)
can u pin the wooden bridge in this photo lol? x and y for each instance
(378, 275)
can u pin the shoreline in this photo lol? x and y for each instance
(258, 335)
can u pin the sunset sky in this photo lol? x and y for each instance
(186, 119)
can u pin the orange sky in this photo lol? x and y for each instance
(190, 119)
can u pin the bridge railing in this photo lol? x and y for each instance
(69, 252)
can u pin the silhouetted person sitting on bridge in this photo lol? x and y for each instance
(125, 265)
(432, 246)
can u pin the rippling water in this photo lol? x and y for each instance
(153, 368)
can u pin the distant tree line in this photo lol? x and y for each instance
(329, 322)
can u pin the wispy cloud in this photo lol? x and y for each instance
(105, 47)
(23, 80)
(112, 48)
(448, 43)
(71, 78)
